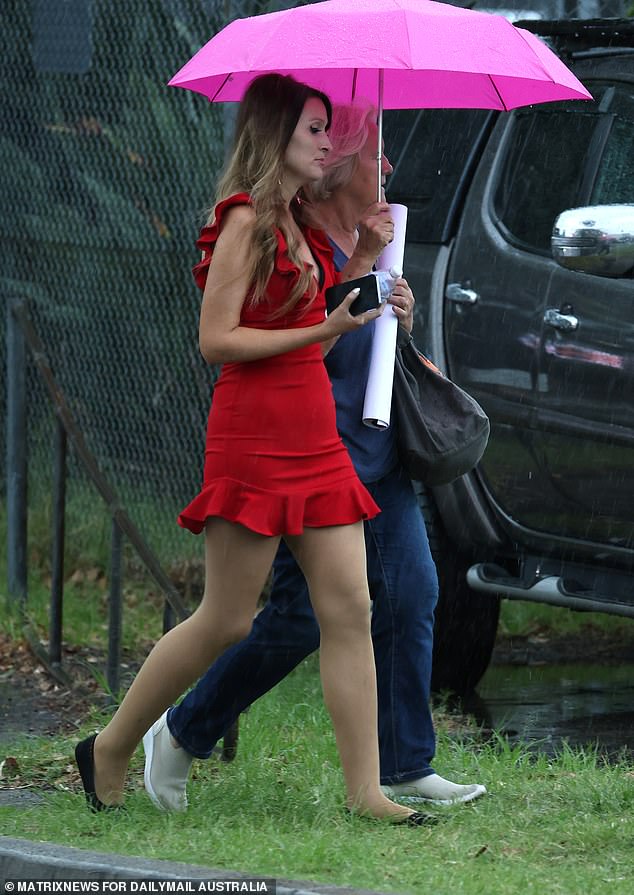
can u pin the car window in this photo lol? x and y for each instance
(428, 149)
(543, 172)
(563, 155)
(615, 180)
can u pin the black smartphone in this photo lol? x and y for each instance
(368, 298)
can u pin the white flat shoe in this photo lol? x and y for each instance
(435, 790)
(166, 768)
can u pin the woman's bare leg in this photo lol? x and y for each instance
(333, 562)
(237, 562)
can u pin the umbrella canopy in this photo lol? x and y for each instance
(432, 55)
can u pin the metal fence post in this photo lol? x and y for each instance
(57, 566)
(16, 457)
(169, 617)
(115, 613)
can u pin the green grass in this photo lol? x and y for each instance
(556, 826)
(520, 618)
(86, 572)
(85, 608)
(547, 826)
(88, 530)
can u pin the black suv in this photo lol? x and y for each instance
(529, 305)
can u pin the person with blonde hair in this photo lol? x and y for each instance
(401, 572)
(275, 466)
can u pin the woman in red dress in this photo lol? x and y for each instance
(275, 465)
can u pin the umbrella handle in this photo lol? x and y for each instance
(379, 132)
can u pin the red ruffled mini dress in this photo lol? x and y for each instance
(274, 461)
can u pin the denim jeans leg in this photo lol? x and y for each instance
(283, 633)
(404, 589)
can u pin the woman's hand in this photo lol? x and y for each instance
(342, 321)
(376, 230)
(403, 301)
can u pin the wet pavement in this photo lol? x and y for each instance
(544, 706)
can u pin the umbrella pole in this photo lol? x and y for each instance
(379, 132)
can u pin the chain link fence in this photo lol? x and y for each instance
(105, 174)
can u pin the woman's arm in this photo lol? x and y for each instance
(221, 337)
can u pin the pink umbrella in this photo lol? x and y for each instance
(399, 54)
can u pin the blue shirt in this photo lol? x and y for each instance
(373, 451)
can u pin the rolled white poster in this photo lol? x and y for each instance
(378, 392)
(392, 254)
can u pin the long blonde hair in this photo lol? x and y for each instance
(267, 118)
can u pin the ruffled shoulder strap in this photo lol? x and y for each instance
(322, 249)
(208, 236)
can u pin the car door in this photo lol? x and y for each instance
(585, 414)
(499, 282)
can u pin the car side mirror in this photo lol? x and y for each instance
(597, 239)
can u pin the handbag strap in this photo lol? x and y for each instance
(405, 344)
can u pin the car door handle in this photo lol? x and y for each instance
(462, 295)
(565, 322)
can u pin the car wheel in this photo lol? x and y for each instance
(465, 621)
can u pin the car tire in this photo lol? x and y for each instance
(465, 621)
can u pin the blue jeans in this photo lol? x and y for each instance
(404, 591)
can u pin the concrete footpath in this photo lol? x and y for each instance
(22, 859)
